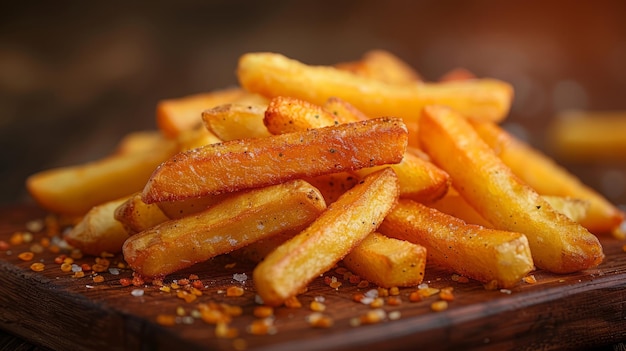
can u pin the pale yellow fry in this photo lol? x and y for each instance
(229, 225)
(136, 216)
(470, 250)
(98, 231)
(356, 214)
(548, 178)
(558, 244)
(384, 66)
(74, 190)
(274, 75)
(236, 121)
(387, 262)
(176, 115)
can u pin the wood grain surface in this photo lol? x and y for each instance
(55, 310)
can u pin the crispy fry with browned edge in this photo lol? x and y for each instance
(333, 185)
(74, 190)
(236, 121)
(249, 163)
(272, 75)
(98, 231)
(327, 240)
(548, 178)
(387, 262)
(455, 205)
(470, 250)
(558, 244)
(343, 111)
(186, 207)
(383, 66)
(176, 115)
(419, 179)
(224, 227)
(137, 216)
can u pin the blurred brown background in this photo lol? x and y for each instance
(76, 76)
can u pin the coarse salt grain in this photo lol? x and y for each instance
(137, 292)
(240, 277)
(114, 271)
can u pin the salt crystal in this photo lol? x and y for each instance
(76, 268)
(240, 277)
(137, 292)
(114, 271)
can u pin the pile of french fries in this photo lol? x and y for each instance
(302, 167)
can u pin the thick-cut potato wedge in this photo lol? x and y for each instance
(470, 250)
(137, 216)
(250, 163)
(579, 136)
(388, 262)
(558, 244)
(343, 111)
(74, 190)
(419, 179)
(176, 115)
(346, 222)
(98, 231)
(236, 121)
(274, 75)
(227, 226)
(383, 66)
(288, 115)
(575, 209)
(186, 207)
(548, 178)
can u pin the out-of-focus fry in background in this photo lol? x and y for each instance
(74, 77)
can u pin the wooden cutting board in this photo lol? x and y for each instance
(54, 309)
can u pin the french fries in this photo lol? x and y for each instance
(224, 227)
(249, 163)
(176, 115)
(74, 190)
(387, 262)
(548, 178)
(344, 224)
(236, 121)
(591, 137)
(383, 66)
(98, 231)
(558, 244)
(137, 216)
(470, 250)
(274, 75)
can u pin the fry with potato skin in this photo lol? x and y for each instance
(548, 178)
(558, 244)
(471, 250)
(98, 231)
(224, 227)
(346, 222)
(137, 216)
(272, 75)
(250, 163)
(387, 262)
(236, 121)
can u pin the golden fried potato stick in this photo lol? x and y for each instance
(274, 75)
(333, 185)
(140, 141)
(558, 244)
(580, 136)
(548, 178)
(196, 137)
(249, 163)
(74, 190)
(176, 115)
(224, 227)
(137, 216)
(384, 66)
(419, 179)
(98, 231)
(387, 262)
(343, 111)
(236, 121)
(345, 223)
(470, 250)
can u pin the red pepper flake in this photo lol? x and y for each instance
(234, 291)
(166, 320)
(446, 294)
(98, 279)
(37, 267)
(183, 282)
(125, 281)
(394, 300)
(26, 256)
(193, 277)
(85, 267)
(4, 246)
(16, 239)
(137, 280)
(263, 311)
(197, 284)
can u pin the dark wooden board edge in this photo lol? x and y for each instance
(577, 311)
